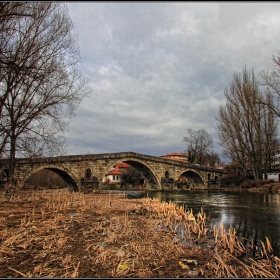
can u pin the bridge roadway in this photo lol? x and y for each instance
(82, 171)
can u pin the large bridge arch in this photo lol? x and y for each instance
(145, 170)
(70, 179)
(190, 179)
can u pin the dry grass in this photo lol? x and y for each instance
(55, 233)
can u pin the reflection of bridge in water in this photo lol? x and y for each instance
(82, 171)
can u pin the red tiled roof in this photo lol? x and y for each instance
(116, 170)
(123, 165)
(177, 156)
(172, 158)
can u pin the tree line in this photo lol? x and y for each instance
(246, 125)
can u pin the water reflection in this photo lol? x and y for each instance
(253, 215)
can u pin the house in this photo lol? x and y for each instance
(274, 173)
(177, 156)
(276, 158)
(114, 175)
(273, 176)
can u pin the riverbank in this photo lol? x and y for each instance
(272, 187)
(54, 233)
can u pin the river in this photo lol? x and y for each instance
(253, 215)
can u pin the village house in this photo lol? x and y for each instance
(274, 174)
(114, 175)
(276, 158)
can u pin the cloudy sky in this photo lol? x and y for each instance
(159, 68)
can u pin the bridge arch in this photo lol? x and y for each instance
(146, 171)
(70, 179)
(190, 179)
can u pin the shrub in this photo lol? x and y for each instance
(247, 184)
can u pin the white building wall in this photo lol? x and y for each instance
(114, 179)
(273, 176)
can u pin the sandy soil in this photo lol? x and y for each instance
(54, 233)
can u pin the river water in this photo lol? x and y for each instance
(253, 215)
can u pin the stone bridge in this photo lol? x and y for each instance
(82, 171)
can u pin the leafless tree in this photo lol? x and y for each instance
(212, 160)
(41, 84)
(199, 145)
(272, 83)
(247, 128)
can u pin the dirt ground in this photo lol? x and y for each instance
(55, 233)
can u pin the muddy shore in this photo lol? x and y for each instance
(55, 233)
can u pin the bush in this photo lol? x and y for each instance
(234, 176)
(247, 184)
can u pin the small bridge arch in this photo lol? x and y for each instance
(68, 177)
(147, 173)
(190, 179)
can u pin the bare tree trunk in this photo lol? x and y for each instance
(3, 145)
(12, 158)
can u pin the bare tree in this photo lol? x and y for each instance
(272, 83)
(199, 145)
(41, 85)
(212, 160)
(247, 129)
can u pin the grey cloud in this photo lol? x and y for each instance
(158, 68)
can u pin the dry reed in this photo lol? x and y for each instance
(87, 235)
